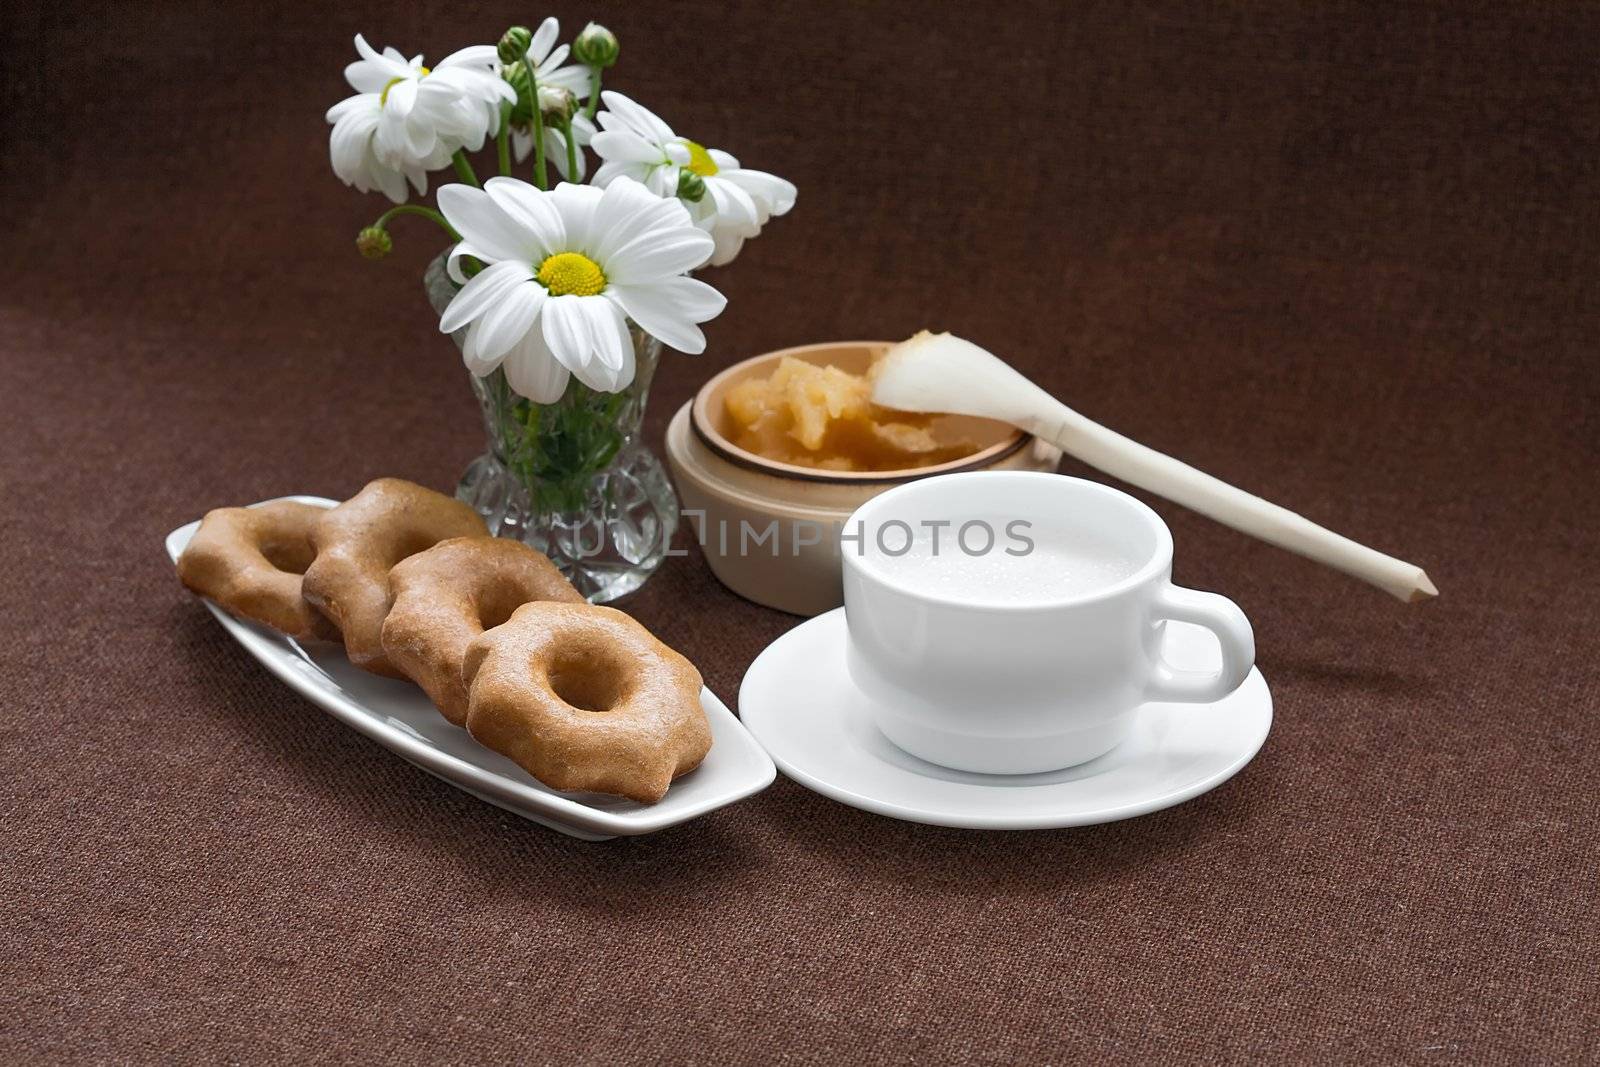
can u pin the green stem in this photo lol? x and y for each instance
(594, 93)
(572, 149)
(464, 169)
(417, 209)
(502, 140)
(539, 177)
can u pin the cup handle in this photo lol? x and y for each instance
(1222, 617)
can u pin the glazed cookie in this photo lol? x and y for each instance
(250, 561)
(447, 596)
(585, 698)
(356, 545)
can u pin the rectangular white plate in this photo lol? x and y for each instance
(400, 717)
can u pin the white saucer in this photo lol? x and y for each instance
(798, 700)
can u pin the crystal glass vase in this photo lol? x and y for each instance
(571, 478)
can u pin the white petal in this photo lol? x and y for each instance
(533, 211)
(625, 147)
(699, 301)
(610, 172)
(573, 78)
(506, 321)
(659, 254)
(729, 242)
(608, 328)
(662, 313)
(418, 178)
(577, 205)
(555, 150)
(474, 140)
(722, 159)
(772, 194)
(367, 52)
(421, 137)
(388, 140)
(458, 252)
(391, 181)
(363, 102)
(734, 207)
(597, 376)
(348, 142)
(624, 374)
(543, 38)
(566, 331)
(533, 372)
(469, 348)
(474, 55)
(484, 226)
(553, 61)
(641, 119)
(365, 78)
(362, 78)
(476, 297)
(461, 88)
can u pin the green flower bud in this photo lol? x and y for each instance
(514, 43)
(557, 103)
(596, 46)
(374, 242)
(691, 186)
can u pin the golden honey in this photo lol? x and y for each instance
(823, 417)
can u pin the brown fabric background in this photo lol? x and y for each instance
(1343, 256)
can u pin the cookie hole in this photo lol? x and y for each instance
(497, 607)
(292, 556)
(586, 682)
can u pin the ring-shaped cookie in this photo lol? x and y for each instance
(445, 597)
(360, 540)
(585, 698)
(249, 561)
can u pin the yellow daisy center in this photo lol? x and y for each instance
(571, 274)
(383, 97)
(700, 161)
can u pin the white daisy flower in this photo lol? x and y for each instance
(635, 143)
(547, 58)
(564, 272)
(406, 119)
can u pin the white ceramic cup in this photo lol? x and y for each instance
(1017, 660)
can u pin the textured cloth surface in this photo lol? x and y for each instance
(1343, 257)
